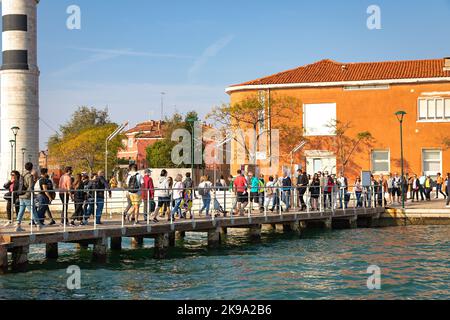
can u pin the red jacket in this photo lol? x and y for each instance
(148, 186)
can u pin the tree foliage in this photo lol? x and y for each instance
(346, 145)
(159, 154)
(255, 113)
(83, 118)
(85, 150)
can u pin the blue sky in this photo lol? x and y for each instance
(127, 52)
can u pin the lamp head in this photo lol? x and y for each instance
(15, 130)
(400, 115)
(12, 142)
(23, 150)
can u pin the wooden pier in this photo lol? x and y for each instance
(110, 233)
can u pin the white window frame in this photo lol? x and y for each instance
(367, 87)
(130, 143)
(423, 160)
(306, 133)
(428, 99)
(388, 161)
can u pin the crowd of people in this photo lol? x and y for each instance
(172, 198)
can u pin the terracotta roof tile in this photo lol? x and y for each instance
(332, 71)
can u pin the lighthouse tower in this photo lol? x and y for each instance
(19, 86)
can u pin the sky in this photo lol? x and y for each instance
(128, 52)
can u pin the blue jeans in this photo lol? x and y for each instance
(41, 207)
(176, 207)
(206, 204)
(358, 199)
(98, 209)
(26, 204)
(286, 198)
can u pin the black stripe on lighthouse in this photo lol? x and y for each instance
(15, 22)
(15, 59)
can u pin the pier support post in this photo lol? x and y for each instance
(3, 260)
(100, 250)
(255, 232)
(137, 242)
(353, 222)
(161, 245)
(328, 223)
(180, 235)
(116, 244)
(279, 228)
(82, 246)
(51, 250)
(223, 232)
(20, 258)
(172, 239)
(214, 238)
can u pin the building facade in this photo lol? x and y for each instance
(138, 139)
(365, 96)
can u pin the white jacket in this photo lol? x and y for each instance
(163, 188)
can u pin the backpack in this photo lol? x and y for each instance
(204, 191)
(134, 184)
(22, 185)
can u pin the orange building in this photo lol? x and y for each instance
(138, 139)
(367, 96)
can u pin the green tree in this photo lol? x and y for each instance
(84, 150)
(83, 118)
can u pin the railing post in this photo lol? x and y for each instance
(320, 198)
(95, 209)
(123, 208)
(65, 206)
(13, 207)
(31, 210)
(264, 201)
(148, 207)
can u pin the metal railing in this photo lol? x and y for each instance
(220, 202)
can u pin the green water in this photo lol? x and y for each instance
(414, 262)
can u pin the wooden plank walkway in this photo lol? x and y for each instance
(19, 243)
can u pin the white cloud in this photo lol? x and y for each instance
(209, 52)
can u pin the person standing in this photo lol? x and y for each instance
(415, 183)
(148, 193)
(25, 199)
(65, 188)
(188, 195)
(277, 192)
(422, 180)
(390, 188)
(96, 198)
(396, 190)
(358, 192)
(269, 193)
(343, 189)
(254, 188)
(428, 186)
(12, 196)
(302, 184)
(286, 189)
(439, 184)
(447, 188)
(315, 192)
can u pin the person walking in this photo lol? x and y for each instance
(65, 188)
(98, 185)
(177, 196)
(390, 188)
(269, 193)
(276, 197)
(254, 189)
(148, 194)
(79, 197)
(342, 184)
(44, 194)
(439, 184)
(12, 196)
(134, 183)
(163, 195)
(188, 195)
(204, 190)
(240, 190)
(422, 180)
(25, 199)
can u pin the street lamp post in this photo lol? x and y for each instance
(15, 131)
(191, 121)
(162, 106)
(23, 159)
(12, 142)
(400, 116)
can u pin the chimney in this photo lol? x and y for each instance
(447, 64)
